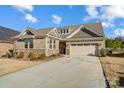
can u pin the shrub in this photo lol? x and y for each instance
(15, 54)
(32, 56)
(20, 55)
(41, 56)
(5, 55)
(53, 55)
(57, 54)
(11, 50)
(103, 52)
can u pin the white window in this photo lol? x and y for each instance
(50, 43)
(54, 44)
(28, 43)
(64, 31)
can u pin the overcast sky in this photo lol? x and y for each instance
(19, 17)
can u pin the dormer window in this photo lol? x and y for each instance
(64, 31)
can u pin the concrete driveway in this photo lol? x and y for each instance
(65, 72)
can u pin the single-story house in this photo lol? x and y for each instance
(5, 42)
(76, 40)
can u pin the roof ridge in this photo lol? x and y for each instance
(64, 26)
(78, 24)
(45, 28)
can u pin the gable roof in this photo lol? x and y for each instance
(75, 31)
(36, 33)
(7, 33)
(93, 28)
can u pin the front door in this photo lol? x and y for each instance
(62, 47)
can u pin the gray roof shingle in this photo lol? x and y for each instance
(91, 30)
(42, 31)
(96, 28)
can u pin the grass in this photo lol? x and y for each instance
(8, 66)
(118, 51)
(11, 65)
(113, 66)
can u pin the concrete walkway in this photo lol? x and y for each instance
(75, 72)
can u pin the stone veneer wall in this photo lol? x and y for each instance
(40, 46)
(52, 51)
(35, 51)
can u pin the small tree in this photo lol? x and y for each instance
(122, 45)
(116, 44)
(109, 43)
(103, 52)
(113, 43)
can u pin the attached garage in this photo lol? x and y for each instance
(84, 49)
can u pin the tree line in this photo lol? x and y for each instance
(114, 43)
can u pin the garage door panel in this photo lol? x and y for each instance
(83, 50)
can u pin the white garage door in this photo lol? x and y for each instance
(84, 49)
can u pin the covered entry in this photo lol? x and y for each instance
(62, 47)
(84, 49)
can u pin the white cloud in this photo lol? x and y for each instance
(107, 24)
(31, 18)
(56, 19)
(106, 14)
(24, 8)
(119, 32)
(93, 13)
(113, 12)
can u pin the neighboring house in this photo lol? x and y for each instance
(5, 42)
(71, 40)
